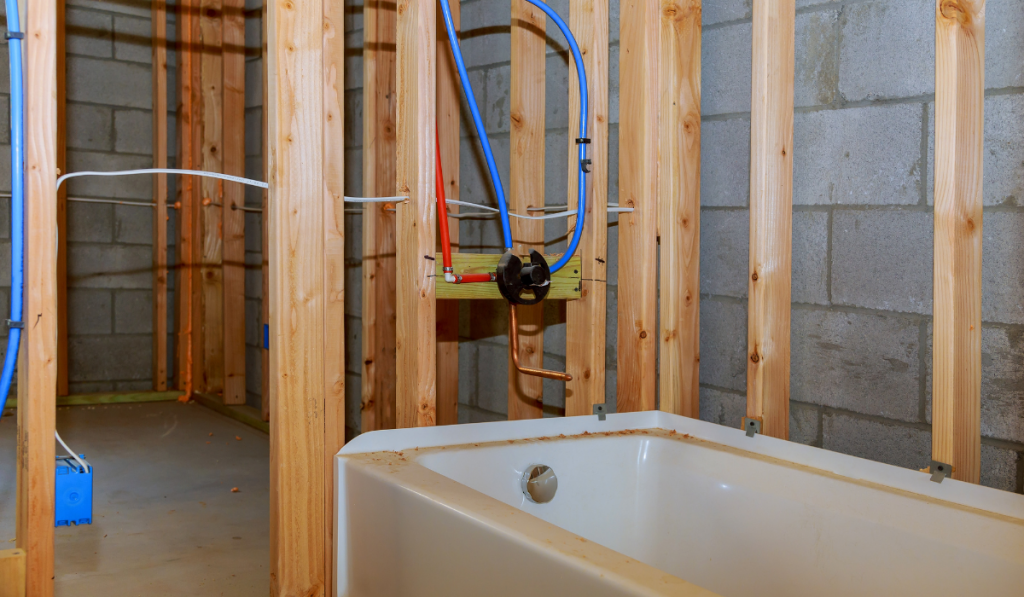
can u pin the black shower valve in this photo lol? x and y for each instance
(523, 284)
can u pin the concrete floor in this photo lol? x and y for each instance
(165, 521)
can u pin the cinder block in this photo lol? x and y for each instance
(133, 225)
(109, 187)
(468, 367)
(497, 108)
(1002, 267)
(816, 79)
(725, 70)
(866, 155)
(722, 408)
(725, 10)
(354, 289)
(804, 423)
(353, 402)
(858, 362)
(907, 447)
(90, 222)
(90, 387)
(492, 377)
(254, 170)
(91, 80)
(1004, 154)
(5, 70)
(110, 358)
(353, 15)
(5, 218)
(90, 127)
(724, 255)
(254, 129)
(353, 345)
(883, 260)
(1004, 42)
(5, 120)
(353, 61)
(89, 312)
(253, 325)
(1002, 384)
(254, 29)
(133, 39)
(254, 282)
(353, 172)
(254, 80)
(133, 312)
(810, 257)
(133, 131)
(87, 32)
(254, 373)
(611, 322)
(887, 50)
(5, 173)
(110, 266)
(725, 162)
(353, 119)
(486, 37)
(723, 344)
(254, 233)
(613, 87)
(141, 385)
(999, 468)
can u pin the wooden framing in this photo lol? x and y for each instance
(638, 188)
(585, 318)
(379, 155)
(12, 573)
(265, 233)
(62, 210)
(233, 233)
(301, 198)
(771, 216)
(160, 217)
(448, 93)
(37, 371)
(416, 352)
(526, 190)
(679, 209)
(959, 137)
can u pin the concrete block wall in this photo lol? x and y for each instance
(862, 223)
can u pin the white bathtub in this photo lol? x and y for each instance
(656, 504)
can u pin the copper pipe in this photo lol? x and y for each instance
(513, 340)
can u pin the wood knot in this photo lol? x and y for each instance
(754, 358)
(586, 373)
(955, 10)
(643, 335)
(754, 276)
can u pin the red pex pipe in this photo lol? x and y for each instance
(442, 217)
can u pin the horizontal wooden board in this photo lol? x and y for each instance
(565, 283)
(108, 398)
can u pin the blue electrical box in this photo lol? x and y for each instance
(74, 492)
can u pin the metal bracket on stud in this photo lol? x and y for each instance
(601, 410)
(752, 425)
(940, 470)
(15, 324)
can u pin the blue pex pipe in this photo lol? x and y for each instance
(17, 199)
(485, 142)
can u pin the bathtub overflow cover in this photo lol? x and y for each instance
(539, 483)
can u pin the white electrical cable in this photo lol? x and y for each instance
(248, 181)
(71, 452)
(562, 214)
(374, 199)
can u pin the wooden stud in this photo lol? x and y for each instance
(771, 216)
(959, 140)
(37, 371)
(265, 234)
(448, 93)
(208, 334)
(334, 263)
(638, 188)
(526, 189)
(585, 318)
(189, 119)
(379, 155)
(62, 209)
(233, 301)
(298, 538)
(12, 572)
(679, 205)
(159, 54)
(416, 309)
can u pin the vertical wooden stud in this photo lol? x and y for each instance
(299, 549)
(526, 190)
(159, 53)
(585, 318)
(379, 155)
(334, 263)
(12, 573)
(959, 137)
(638, 188)
(233, 301)
(679, 205)
(448, 93)
(62, 210)
(265, 232)
(208, 365)
(37, 373)
(416, 309)
(189, 119)
(771, 216)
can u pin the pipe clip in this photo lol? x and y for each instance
(752, 425)
(15, 324)
(9, 35)
(940, 470)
